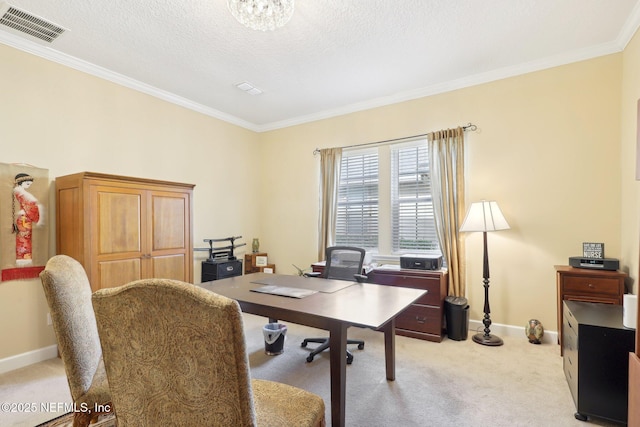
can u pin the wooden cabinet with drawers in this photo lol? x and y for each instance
(425, 318)
(582, 284)
(251, 267)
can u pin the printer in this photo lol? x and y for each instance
(421, 262)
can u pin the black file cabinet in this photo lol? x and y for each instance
(214, 270)
(596, 359)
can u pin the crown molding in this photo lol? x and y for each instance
(477, 79)
(95, 70)
(626, 34)
(629, 28)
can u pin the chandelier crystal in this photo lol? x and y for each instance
(261, 14)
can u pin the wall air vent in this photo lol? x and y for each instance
(27, 23)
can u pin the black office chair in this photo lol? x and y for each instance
(343, 263)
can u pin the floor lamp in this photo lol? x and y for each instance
(485, 216)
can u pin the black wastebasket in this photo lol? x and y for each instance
(274, 338)
(457, 316)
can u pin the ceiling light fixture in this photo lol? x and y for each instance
(261, 14)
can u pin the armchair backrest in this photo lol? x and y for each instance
(343, 262)
(175, 355)
(68, 294)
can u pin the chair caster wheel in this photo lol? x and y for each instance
(309, 359)
(580, 416)
(349, 360)
(303, 344)
(360, 346)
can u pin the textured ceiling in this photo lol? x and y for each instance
(333, 57)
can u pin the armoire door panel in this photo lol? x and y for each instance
(169, 267)
(119, 222)
(170, 226)
(120, 272)
(68, 220)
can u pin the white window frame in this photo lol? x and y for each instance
(384, 250)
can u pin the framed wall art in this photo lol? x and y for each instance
(24, 234)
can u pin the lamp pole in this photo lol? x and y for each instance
(486, 338)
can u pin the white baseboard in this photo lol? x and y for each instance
(29, 358)
(475, 326)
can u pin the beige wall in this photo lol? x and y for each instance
(66, 121)
(630, 189)
(547, 149)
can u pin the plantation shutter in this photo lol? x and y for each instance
(357, 216)
(412, 219)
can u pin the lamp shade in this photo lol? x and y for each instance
(484, 216)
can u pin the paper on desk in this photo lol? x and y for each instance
(284, 291)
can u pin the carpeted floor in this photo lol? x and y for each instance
(453, 383)
(66, 420)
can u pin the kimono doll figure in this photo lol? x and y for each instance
(24, 218)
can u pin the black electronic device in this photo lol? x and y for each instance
(594, 263)
(421, 262)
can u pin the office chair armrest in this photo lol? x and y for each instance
(360, 278)
(312, 274)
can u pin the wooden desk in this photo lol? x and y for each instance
(425, 318)
(362, 304)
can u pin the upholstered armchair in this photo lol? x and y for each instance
(175, 354)
(68, 294)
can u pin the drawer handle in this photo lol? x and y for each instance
(421, 319)
(230, 268)
(590, 285)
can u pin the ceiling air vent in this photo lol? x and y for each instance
(27, 23)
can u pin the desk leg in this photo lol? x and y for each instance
(338, 371)
(390, 348)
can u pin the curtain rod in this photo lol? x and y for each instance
(470, 126)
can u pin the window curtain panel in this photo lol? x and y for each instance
(24, 195)
(330, 161)
(446, 161)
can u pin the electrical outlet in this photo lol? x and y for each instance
(48, 319)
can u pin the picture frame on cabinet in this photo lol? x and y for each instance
(593, 250)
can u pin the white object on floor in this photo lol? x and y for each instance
(630, 311)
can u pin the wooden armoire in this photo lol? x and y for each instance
(123, 229)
